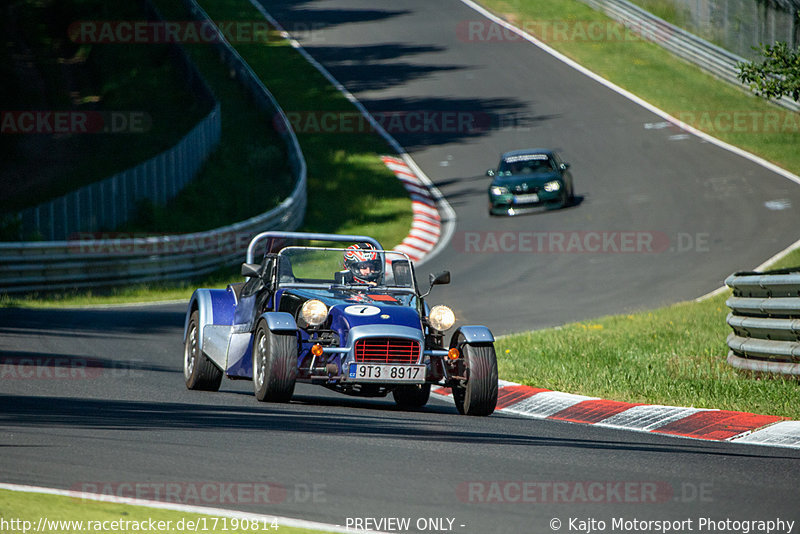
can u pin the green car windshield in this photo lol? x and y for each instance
(525, 164)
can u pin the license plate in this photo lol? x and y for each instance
(526, 199)
(378, 372)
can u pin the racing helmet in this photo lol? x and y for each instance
(363, 262)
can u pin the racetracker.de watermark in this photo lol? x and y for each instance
(202, 493)
(742, 121)
(579, 242)
(549, 31)
(394, 122)
(137, 244)
(580, 491)
(37, 367)
(74, 122)
(161, 32)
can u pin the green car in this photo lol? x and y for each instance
(529, 180)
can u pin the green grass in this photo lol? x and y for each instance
(791, 260)
(33, 507)
(666, 10)
(673, 356)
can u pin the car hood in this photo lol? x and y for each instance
(346, 316)
(530, 179)
(348, 310)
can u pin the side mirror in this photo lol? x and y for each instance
(251, 270)
(490, 172)
(564, 166)
(439, 278)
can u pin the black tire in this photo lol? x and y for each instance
(571, 197)
(199, 372)
(274, 364)
(479, 396)
(415, 396)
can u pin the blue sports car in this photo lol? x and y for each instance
(349, 318)
(529, 180)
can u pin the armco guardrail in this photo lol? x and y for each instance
(81, 263)
(716, 60)
(112, 201)
(765, 318)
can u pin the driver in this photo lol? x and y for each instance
(363, 264)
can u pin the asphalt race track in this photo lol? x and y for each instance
(96, 401)
(95, 398)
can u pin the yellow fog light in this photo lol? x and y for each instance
(453, 353)
(316, 350)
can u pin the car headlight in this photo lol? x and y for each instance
(497, 190)
(552, 187)
(314, 312)
(441, 317)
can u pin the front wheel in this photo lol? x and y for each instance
(198, 371)
(415, 396)
(479, 395)
(274, 364)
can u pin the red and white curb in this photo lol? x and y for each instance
(696, 423)
(426, 226)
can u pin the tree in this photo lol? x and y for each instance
(777, 75)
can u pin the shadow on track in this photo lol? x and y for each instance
(36, 412)
(88, 322)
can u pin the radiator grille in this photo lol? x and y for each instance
(386, 350)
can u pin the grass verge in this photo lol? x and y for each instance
(674, 355)
(69, 515)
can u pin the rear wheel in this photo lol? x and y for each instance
(198, 371)
(415, 396)
(274, 364)
(479, 395)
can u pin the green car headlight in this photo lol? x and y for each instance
(552, 187)
(498, 190)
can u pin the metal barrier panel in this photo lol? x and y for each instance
(765, 321)
(740, 25)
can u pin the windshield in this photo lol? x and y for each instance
(525, 164)
(314, 267)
